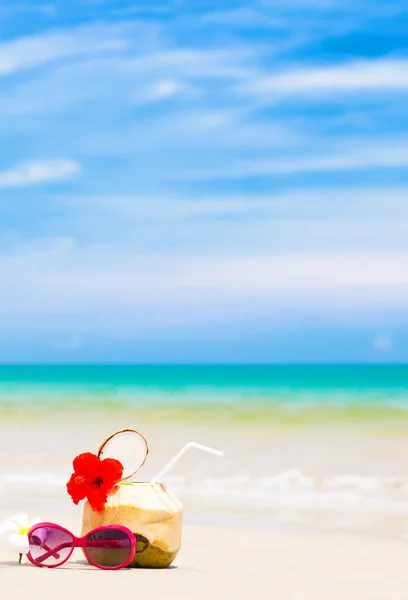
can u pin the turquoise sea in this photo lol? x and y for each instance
(235, 391)
(305, 446)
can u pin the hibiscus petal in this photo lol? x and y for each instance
(87, 465)
(77, 487)
(20, 542)
(111, 471)
(97, 498)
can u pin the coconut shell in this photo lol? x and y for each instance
(151, 512)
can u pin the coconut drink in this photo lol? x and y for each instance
(114, 497)
(149, 510)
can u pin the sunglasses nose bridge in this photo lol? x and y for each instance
(80, 542)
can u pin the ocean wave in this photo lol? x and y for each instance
(289, 488)
(290, 500)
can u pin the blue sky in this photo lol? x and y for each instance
(203, 181)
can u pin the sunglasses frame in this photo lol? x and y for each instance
(79, 542)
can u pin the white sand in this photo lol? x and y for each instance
(231, 563)
(214, 563)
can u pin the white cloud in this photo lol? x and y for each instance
(124, 79)
(120, 288)
(194, 63)
(164, 89)
(383, 74)
(302, 271)
(374, 153)
(38, 171)
(32, 51)
(201, 136)
(319, 204)
(14, 9)
(121, 271)
(161, 89)
(276, 15)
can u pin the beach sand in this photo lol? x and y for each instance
(217, 562)
(266, 537)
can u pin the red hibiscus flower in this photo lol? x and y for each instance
(94, 479)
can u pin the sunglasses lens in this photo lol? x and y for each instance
(50, 546)
(108, 547)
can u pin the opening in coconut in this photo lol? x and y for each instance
(129, 447)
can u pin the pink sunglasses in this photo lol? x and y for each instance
(109, 547)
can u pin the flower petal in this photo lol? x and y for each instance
(35, 521)
(77, 487)
(97, 498)
(20, 542)
(8, 525)
(87, 465)
(20, 520)
(111, 471)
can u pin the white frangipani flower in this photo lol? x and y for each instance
(19, 526)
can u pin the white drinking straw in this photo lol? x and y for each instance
(180, 454)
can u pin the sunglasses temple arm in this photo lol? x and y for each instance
(94, 544)
(52, 551)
